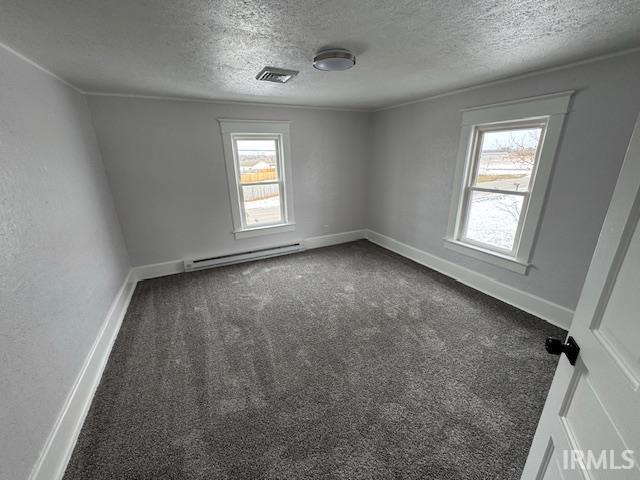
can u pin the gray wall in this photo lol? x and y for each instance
(62, 258)
(166, 167)
(391, 171)
(414, 155)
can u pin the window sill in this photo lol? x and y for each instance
(488, 256)
(267, 230)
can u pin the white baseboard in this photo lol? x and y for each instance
(549, 311)
(57, 450)
(155, 270)
(333, 239)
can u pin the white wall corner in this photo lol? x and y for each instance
(59, 446)
(551, 312)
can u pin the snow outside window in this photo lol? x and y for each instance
(504, 167)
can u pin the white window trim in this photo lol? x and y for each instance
(280, 128)
(550, 109)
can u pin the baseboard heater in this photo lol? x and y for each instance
(202, 263)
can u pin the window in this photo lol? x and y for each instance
(504, 164)
(258, 171)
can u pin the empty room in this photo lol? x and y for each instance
(322, 239)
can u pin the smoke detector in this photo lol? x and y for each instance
(276, 75)
(333, 59)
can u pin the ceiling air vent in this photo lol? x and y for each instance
(276, 75)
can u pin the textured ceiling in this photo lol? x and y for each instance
(406, 49)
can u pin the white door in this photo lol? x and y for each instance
(590, 425)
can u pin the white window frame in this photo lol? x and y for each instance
(279, 130)
(547, 112)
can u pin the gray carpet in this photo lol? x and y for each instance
(345, 362)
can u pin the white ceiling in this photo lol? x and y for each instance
(406, 49)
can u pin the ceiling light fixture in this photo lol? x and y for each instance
(333, 59)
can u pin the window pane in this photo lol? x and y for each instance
(261, 204)
(507, 158)
(492, 218)
(258, 160)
